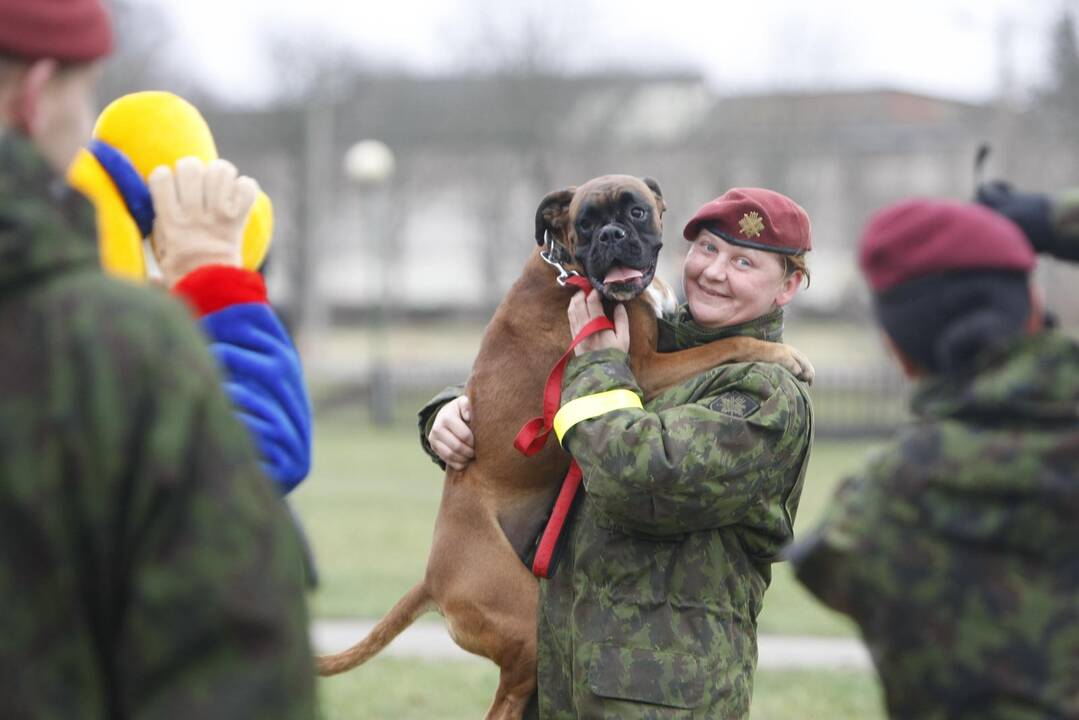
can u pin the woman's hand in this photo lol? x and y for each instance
(583, 309)
(450, 436)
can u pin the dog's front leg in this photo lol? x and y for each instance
(656, 371)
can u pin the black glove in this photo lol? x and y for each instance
(1032, 212)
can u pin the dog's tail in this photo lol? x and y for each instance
(416, 602)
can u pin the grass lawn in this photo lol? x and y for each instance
(370, 504)
(398, 689)
(369, 509)
(816, 695)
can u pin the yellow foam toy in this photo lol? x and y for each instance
(151, 129)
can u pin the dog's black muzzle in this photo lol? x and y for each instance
(619, 261)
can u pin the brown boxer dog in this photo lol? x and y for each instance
(610, 231)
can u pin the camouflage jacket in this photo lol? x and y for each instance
(1065, 217)
(652, 611)
(957, 549)
(148, 569)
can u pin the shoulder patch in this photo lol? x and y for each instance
(735, 403)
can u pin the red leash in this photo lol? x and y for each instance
(533, 436)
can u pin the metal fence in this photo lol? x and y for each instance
(864, 402)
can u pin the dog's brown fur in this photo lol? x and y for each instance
(492, 510)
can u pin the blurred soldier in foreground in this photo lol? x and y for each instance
(147, 569)
(957, 549)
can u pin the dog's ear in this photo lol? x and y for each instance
(654, 187)
(552, 212)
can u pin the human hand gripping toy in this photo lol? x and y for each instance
(152, 170)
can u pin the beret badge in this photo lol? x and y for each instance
(751, 224)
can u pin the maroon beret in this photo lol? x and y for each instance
(919, 237)
(65, 30)
(754, 218)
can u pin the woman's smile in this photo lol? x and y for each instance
(728, 284)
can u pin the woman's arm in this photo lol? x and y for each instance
(447, 401)
(865, 522)
(720, 459)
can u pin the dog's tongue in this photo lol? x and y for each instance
(621, 273)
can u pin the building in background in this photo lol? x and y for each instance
(476, 154)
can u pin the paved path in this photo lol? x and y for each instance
(429, 640)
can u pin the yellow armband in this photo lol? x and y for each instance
(590, 406)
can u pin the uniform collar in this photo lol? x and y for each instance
(681, 331)
(1033, 378)
(44, 224)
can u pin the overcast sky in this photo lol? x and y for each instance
(956, 48)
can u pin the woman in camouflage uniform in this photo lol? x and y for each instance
(955, 549)
(689, 499)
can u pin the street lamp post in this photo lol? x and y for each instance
(370, 164)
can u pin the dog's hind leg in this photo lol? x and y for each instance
(518, 653)
(484, 623)
(488, 598)
(506, 635)
(515, 687)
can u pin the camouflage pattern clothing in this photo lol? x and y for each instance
(957, 549)
(1065, 218)
(652, 610)
(148, 569)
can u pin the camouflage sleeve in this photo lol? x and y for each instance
(1066, 219)
(426, 418)
(214, 614)
(825, 560)
(727, 458)
(835, 561)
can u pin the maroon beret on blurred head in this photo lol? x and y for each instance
(914, 238)
(65, 30)
(754, 218)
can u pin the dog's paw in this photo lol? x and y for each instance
(798, 364)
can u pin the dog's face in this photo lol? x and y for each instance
(612, 226)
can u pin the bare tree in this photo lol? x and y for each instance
(1057, 148)
(526, 49)
(307, 65)
(142, 59)
(528, 37)
(1062, 97)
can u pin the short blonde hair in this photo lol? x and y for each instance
(795, 263)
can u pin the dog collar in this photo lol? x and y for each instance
(556, 256)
